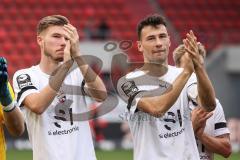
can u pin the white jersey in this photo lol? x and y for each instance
(215, 126)
(55, 134)
(166, 138)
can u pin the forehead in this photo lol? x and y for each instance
(55, 29)
(154, 30)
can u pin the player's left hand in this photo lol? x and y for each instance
(5, 96)
(199, 118)
(74, 40)
(187, 62)
(191, 46)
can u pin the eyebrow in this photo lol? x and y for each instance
(150, 36)
(56, 33)
(161, 34)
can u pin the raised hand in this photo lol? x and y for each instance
(191, 47)
(187, 63)
(67, 53)
(5, 95)
(74, 40)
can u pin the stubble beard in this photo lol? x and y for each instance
(49, 55)
(159, 60)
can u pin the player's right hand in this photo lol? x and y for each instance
(191, 47)
(67, 53)
(5, 95)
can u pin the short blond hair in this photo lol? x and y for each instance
(53, 20)
(178, 53)
(180, 50)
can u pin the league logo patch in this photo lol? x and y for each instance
(24, 80)
(129, 88)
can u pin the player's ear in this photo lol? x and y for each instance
(139, 44)
(169, 38)
(39, 40)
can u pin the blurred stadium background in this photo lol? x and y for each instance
(108, 28)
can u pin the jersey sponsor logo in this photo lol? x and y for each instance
(63, 132)
(129, 88)
(172, 134)
(24, 80)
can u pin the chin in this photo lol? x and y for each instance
(59, 59)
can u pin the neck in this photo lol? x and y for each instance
(155, 69)
(48, 65)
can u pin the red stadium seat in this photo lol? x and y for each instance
(19, 19)
(214, 16)
(3, 35)
(6, 3)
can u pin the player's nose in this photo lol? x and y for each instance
(158, 43)
(63, 41)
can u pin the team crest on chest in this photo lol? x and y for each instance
(61, 96)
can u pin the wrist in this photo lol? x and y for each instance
(187, 72)
(75, 55)
(80, 60)
(199, 68)
(67, 64)
(199, 135)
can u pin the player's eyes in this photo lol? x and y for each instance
(163, 36)
(56, 36)
(150, 38)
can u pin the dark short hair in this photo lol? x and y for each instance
(53, 20)
(151, 20)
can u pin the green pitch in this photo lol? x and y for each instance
(101, 155)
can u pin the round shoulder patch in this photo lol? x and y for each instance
(24, 80)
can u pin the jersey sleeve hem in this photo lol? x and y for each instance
(23, 95)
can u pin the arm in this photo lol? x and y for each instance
(14, 122)
(13, 118)
(159, 105)
(38, 102)
(95, 86)
(220, 145)
(206, 93)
